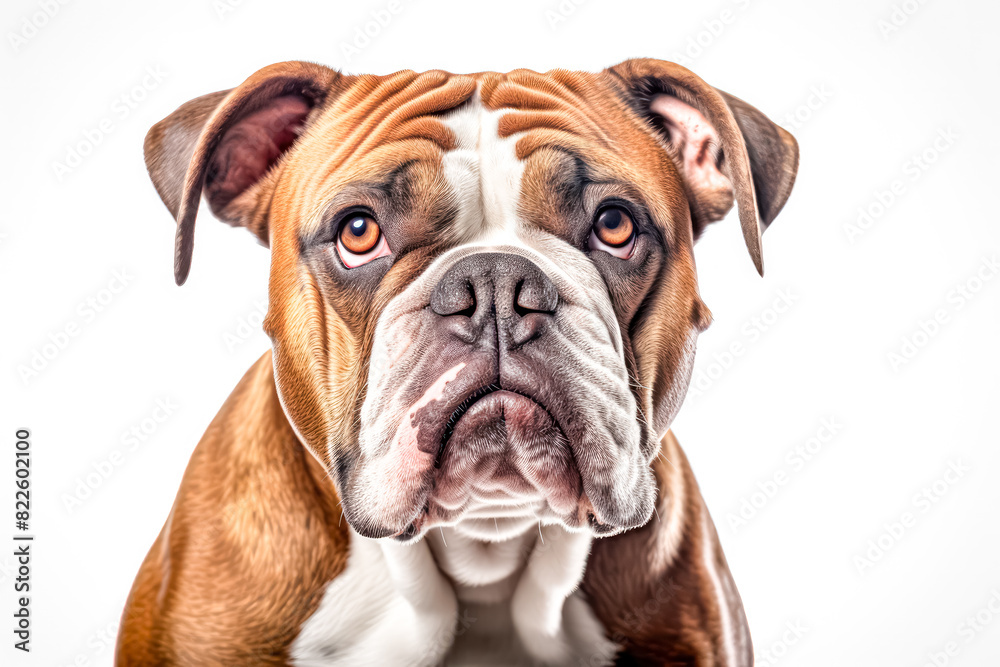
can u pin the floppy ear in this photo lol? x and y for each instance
(225, 145)
(724, 148)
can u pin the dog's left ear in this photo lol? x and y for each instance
(225, 145)
(723, 147)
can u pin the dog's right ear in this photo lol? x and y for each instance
(225, 145)
(726, 150)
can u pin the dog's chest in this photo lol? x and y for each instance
(498, 605)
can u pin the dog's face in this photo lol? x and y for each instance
(483, 301)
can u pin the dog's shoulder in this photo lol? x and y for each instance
(664, 591)
(252, 540)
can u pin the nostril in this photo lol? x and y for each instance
(535, 296)
(467, 312)
(454, 297)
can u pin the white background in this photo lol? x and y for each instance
(862, 101)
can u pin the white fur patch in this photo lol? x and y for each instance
(452, 599)
(708, 543)
(484, 173)
(518, 597)
(670, 511)
(538, 605)
(390, 606)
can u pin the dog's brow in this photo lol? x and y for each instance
(393, 186)
(572, 182)
(397, 182)
(569, 151)
(576, 178)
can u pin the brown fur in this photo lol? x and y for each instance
(254, 536)
(662, 615)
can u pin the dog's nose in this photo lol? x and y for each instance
(495, 287)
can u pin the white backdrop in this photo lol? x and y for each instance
(866, 368)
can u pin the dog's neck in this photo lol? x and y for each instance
(487, 559)
(482, 571)
(454, 598)
(516, 578)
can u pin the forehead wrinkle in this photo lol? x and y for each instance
(557, 100)
(378, 112)
(546, 137)
(526, 89)
(374, 126)
(577, 126)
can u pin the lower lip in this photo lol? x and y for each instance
(538, 460)
(488, 409)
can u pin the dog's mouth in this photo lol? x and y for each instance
(462, 408)
(457, 413)
(502, 456)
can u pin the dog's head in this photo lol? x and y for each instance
(483, 301)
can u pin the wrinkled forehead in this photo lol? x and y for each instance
(502, 149)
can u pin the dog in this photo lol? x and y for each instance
(483, 310)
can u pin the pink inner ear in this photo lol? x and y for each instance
(697, 144)
(252, 145)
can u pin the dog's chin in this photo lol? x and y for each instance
(504, 466)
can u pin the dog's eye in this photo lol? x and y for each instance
(360, 240)
(613, 232)
(359, 234)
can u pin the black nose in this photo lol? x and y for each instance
(495, 288)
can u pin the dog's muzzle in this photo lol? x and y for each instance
(508, 403)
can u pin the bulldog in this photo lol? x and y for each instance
(483, 310)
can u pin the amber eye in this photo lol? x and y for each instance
(360, 240)
(614, 227)
(613, 232)
(359, 234)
